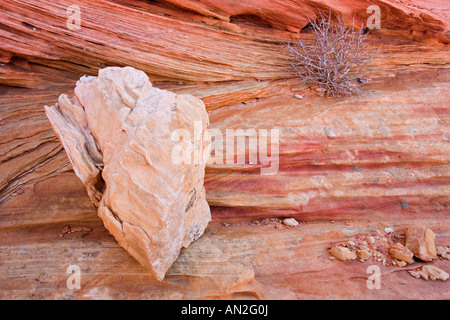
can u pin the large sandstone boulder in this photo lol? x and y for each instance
(118, 132)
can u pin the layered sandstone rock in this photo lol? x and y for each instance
(406, 15)
(256, 28)
(367, 162)
(117, 132)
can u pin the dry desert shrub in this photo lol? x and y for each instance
(337, 51)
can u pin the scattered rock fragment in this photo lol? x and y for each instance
(440, 250)
(443, 252)
(429, 272)
(388, 230)
(400, 263)
(364, 254)
(420, 240)
(370, 239)
(400, 252)
(415, 274)
(342, 253)
(388, 248)
(435, 273)
(291, 222)
(423, 275)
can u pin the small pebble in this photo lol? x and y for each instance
(404, 205)
(423, 275)
(342, 253)
(388, 230)
(400, 263)
(441, 251)
(363, 255)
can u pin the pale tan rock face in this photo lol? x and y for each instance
(400, 252)
(420, 240)
(118, 134)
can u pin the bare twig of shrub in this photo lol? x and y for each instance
(337, 51)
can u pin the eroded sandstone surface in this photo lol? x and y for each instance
(117, 132)
(347, 168)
